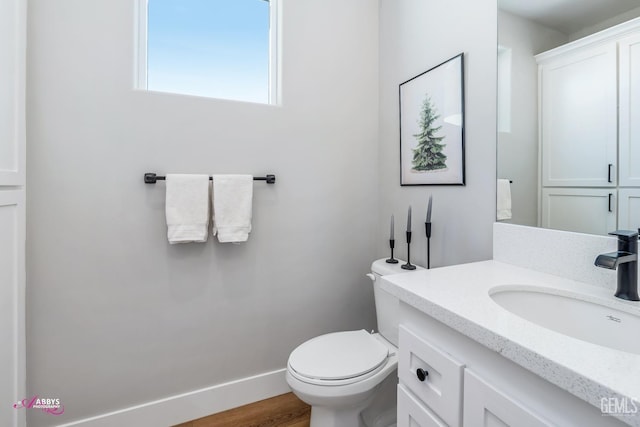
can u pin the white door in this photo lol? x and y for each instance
(578, 111)
(12, 210)
(12, 91)
(583, 210)
(629, 209)
(629, 120)
(12, 332)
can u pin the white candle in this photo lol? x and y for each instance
(429, 210)
(409, 220)
(391, 234)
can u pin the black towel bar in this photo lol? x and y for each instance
(152, 178)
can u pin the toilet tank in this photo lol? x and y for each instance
(387, 306)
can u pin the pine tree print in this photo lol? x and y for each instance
(428, 155)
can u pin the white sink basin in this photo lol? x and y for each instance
(579, 316)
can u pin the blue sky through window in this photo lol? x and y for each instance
(213, 48)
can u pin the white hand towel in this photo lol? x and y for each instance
(187, 208)
(503, 208)
(232, 203)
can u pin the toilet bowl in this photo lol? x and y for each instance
(349, 378)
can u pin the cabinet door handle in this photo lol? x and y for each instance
(609, 172)
(422, 374)
(610, 197)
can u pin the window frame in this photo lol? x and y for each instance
(141, 65)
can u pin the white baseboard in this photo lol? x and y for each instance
(196, 404)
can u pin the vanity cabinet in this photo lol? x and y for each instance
(487, 406)
(432, 375)
(468, 385)
(589, 129)
(413, 413)
(430, 392)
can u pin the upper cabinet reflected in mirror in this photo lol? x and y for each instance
(569, 113)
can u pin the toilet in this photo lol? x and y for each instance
(350, 378)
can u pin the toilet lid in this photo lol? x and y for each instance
(338, 356)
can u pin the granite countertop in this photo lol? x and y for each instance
(458, 296)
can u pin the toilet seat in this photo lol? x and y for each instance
(338, 358)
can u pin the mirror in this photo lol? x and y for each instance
(526, 29)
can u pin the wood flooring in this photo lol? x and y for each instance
(281, 411)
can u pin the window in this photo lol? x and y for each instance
(213, 48)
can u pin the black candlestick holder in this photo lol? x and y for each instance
(408, 265)
(427, 229)
(392, 244)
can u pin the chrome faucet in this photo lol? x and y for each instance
(625, 260)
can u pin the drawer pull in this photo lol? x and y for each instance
(422, 374)
(609, 173)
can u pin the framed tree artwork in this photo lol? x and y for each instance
(432, 126)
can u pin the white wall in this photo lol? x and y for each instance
(618, 19)
(116, 316)
(518, 149)
(416, 35)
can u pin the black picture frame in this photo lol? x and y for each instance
(432, 137)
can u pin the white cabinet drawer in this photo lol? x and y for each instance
(485, 406)
(412, 414)
(441, 390)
